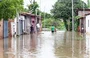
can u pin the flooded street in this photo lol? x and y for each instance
(46, 45)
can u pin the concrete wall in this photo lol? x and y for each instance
(88, 24)
(13, 28)
(27, 24)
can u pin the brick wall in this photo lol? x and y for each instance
(1, 29)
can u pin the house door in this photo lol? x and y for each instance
(5, 29)
(21, 27)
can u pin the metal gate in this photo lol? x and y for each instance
(21, 27)
(5, 29)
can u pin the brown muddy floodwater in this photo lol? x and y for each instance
(46, 45)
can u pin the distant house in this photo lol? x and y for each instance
(31, 19)
(23, 23)
(82, 20)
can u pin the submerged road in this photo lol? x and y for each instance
(46, 45)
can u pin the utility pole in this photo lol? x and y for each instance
(84, 26)
(72, 31)
(88, 2)
(17, 22)
(44, 16)
(72, 17)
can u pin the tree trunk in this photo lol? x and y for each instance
(65, 23)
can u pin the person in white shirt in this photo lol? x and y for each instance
(38, 27)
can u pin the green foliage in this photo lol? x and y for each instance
(76, 22)
(26, 10)
(8, 8)
(63, 9)
(47, 23)
(45, 15)
(33, 7)
(88, 3)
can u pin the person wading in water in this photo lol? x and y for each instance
(53, 29)
(32, 29)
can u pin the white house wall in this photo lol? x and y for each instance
(13, 28)
(16, 20)
(88, 24)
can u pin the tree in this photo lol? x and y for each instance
(8, 8)
(33, 7)
(63, 9)
(48, 22)
(45, 15)
(88, 1)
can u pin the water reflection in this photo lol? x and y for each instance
(68, 47)
(1, 48)
(47, 45)
(5, 47)
(87, 46)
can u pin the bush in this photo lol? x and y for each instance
(47, 23)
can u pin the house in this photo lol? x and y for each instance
(31, 19)
(27, 23)
(5, 28)
(82, 20)
(23, 22)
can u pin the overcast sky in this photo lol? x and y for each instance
(45, 5)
